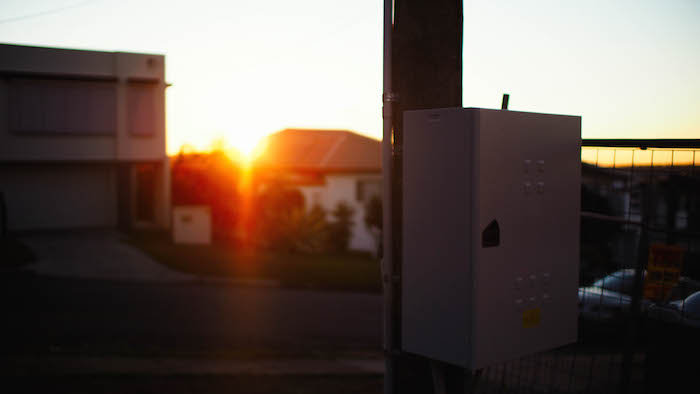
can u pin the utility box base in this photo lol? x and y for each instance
(491, 210)
(192, 224)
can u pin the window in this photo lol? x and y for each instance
(145, 192)
(141, 108)
(62, 106)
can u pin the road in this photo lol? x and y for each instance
(59, 315)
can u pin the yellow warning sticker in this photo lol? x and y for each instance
(531, 318)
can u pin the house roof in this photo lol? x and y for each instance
(321, 151)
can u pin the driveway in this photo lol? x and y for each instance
(95, 255)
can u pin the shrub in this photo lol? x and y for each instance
(340, 229)
(311, 234)
(279, 211)
(282, 224)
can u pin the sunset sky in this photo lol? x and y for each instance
(242, 69)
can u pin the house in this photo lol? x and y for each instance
(329, 166)
(82, 139)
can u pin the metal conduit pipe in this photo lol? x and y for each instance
(388, 97)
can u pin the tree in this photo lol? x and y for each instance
(340, 230)
(279, 209)
(312, 231)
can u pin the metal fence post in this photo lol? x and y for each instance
(634, 316)
(387, 260)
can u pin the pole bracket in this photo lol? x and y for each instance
(390, 97)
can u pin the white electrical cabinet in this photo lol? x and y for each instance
(491, 208)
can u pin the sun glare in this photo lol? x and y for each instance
(246, 150)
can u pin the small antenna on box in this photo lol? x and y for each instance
(504, 103)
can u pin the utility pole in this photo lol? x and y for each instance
(424, 70)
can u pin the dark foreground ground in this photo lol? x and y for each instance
(49, 315)
(93, 336)
(369, 384)
(52, 328)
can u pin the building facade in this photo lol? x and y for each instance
(82, 139)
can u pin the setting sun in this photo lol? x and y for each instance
(248, 146)
(243, 150)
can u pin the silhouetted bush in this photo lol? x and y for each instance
(312, 232)
(278, 213)
(340, 229)
(282, 224)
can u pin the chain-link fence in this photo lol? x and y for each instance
(639, 294)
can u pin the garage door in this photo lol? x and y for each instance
(59, 196)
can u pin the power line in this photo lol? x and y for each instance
(47, 12)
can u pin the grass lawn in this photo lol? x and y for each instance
(350, 271)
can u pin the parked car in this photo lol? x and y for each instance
(608, 297)
(611, 296)
(685, 311)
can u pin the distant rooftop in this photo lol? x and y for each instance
(64, 49)
(321, 151)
